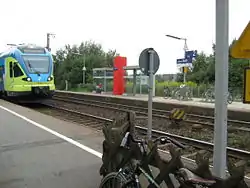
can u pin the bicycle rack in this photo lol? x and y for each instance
(114, 157)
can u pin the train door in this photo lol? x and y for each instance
(9, 75)
(12, 74)
(11, 69)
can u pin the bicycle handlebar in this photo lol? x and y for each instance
(162, 139)
(166, 139)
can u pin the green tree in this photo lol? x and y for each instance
(204, 70)
(68, 64)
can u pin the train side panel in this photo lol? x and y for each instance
(1, 79)
(1, 75)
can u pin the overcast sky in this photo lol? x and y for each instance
(128, 26)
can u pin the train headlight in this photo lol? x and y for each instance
(28, 79)
(50, 78)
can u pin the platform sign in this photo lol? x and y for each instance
(246, 86)
(188, 60)
(191, 54)
(241, 48)
(149, 63)
(183, 63)
(144, 61)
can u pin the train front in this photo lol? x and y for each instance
(38, 65)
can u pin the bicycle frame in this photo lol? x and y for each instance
(139, 170)
(147, 176)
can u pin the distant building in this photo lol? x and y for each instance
(166, 77)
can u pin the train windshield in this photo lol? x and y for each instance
(37, 64)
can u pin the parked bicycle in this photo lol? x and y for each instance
(180, 93)
(209, 96)
(167, 92)
(128, 175)
(183, 93)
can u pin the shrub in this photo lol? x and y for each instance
(197, 90)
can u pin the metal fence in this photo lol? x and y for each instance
(174, 92)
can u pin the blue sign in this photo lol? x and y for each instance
(188, 60)
(184, 61)
(181, 61)
(190, 54)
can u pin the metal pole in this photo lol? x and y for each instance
(66, 85)
(150, 93)
(83, 77)
(84, 69)
(153, 90)
(221, 89)
(134, 82)
(140, 83)
(104, 81)
(48, 41)
(84, 59)
(185, 73)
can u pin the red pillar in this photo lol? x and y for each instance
(119, 73)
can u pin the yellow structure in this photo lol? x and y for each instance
(185, 69)
(246, 86)
(241, 48)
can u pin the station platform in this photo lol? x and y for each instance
(236, 110)
(40, 151)
(193, 102)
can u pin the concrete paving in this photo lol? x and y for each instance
(31, 157)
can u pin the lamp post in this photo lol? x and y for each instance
(48, 40)
(83, 74)
(185, 49)
(84, 68)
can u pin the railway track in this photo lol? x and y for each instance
(98, 122)
(85, 119)
(198, 144)
(195, 130)
(191, 119)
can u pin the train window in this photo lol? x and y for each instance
(32, 49)
(11, 70)
(17, 71)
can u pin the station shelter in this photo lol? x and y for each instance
(118, 73)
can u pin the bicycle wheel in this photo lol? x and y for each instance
(209, 96)
(166, 92)
(115, 180)
(230, 99)
(178, 95)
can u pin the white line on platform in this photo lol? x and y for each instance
(89, 150)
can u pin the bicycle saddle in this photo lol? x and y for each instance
(191, 177)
